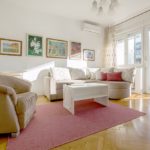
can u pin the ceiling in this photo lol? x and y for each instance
(81, 9)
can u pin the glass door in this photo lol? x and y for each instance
(147, 68)
(135, 49)
(120, 52)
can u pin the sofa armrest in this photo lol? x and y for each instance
(49, 86)
(9, 91)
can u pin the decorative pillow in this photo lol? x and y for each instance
(78, 74)
(127, 73)
(114, 76)
(103, 76)
(98, 75)
(94, 73)
(88, 74)
(59, 73)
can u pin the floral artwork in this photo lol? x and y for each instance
(35, 45)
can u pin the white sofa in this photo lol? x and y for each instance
(53, 83)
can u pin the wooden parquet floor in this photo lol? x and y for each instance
(133, 135)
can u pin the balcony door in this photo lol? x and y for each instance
(147, 64)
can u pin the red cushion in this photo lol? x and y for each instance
(103, 76)
(114, 76)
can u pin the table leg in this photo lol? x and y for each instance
(102, 100)
(72, 107)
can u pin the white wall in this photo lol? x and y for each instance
(16, 22)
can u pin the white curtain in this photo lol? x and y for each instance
(110, 55)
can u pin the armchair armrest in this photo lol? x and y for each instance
(23, 86)
(19, 85)
(9, 91)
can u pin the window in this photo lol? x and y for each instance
(129, 50)
(135, 49)
(120, 52)
(138, 49)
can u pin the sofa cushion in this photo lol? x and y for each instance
(78, 73)
(59, 84)
(59, 73)
(106, 70)
(127, 73)
(96, 72)
(114, 76)
(116, 84)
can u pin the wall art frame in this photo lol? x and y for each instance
(75, 50)
(10, 47)
(88, 55)
(34, 45)
(56, 48)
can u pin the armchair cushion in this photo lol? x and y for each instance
(25, 101)
(25, 108)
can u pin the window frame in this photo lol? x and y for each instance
(125, 37)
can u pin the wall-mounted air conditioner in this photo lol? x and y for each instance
(89, 27)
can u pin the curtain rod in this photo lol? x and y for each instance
(133, 17)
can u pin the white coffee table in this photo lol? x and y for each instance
(75, 92)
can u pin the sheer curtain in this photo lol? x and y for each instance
(110, 54)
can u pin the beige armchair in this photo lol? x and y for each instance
(17, 104)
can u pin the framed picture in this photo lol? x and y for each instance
(34, 45)
(88, 55)
(10, 47)
(75, 50)
(56, 48)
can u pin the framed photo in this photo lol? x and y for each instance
(10, 47)
(56, 48)
(34, 45)
(75, 50)
(88, 55)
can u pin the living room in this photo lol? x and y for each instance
(102, 38)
